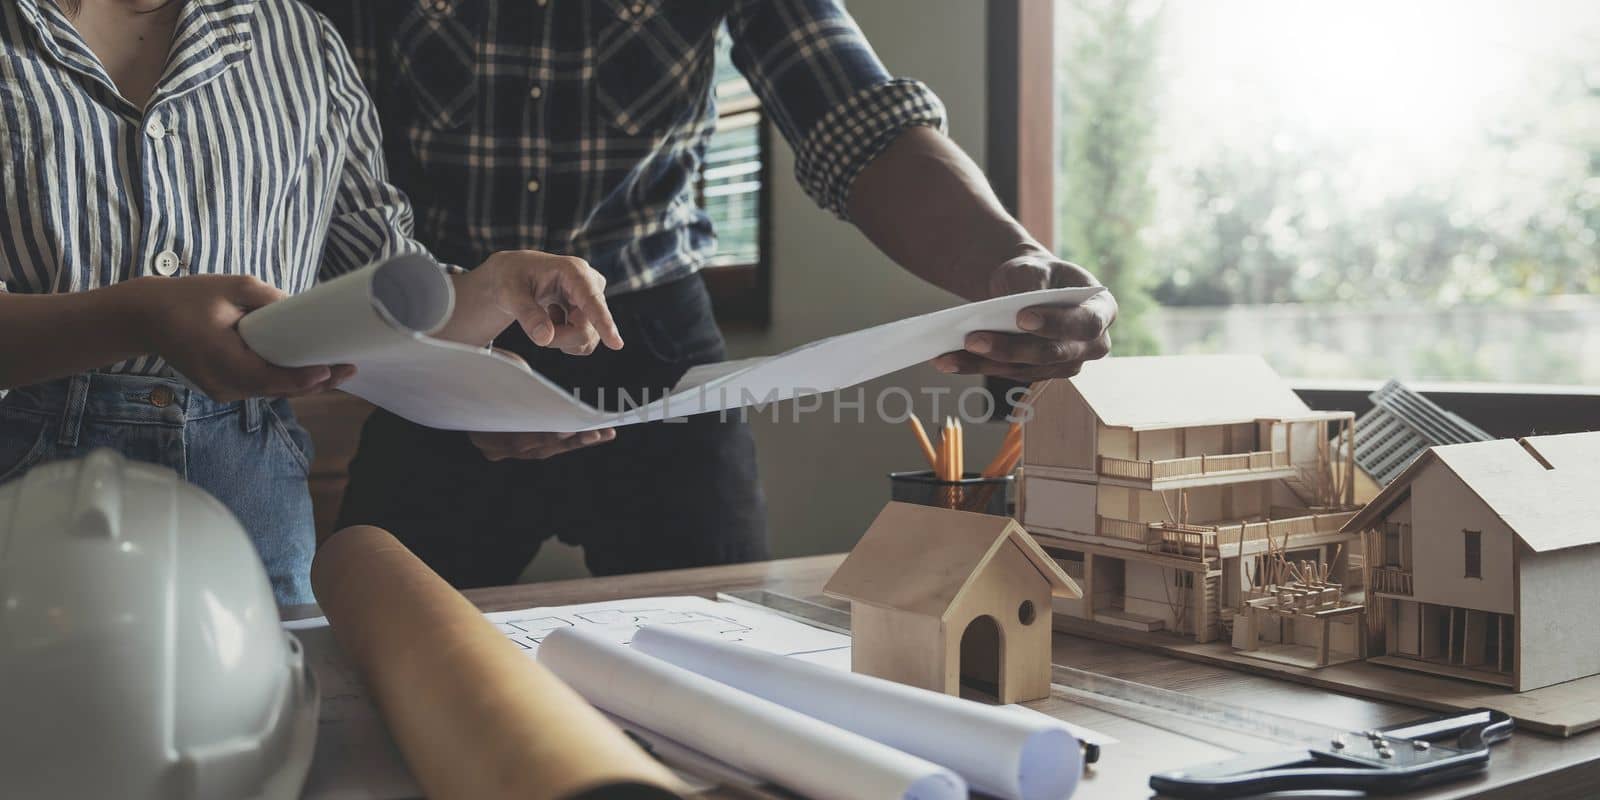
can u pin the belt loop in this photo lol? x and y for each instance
(251, 415)
(72, 412)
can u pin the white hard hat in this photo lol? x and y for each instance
(141, 654)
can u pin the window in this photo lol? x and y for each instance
(1391, 546)
(733, 191)
(1361, 189)
(1183, 580)
(1473, 545)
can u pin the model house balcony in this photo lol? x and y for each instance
(1203, 540)
(1391, 580)
(1177, 473)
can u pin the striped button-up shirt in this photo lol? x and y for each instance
(580, 126)
(258, 154)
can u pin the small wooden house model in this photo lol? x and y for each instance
(1482, 561)
(939, 597)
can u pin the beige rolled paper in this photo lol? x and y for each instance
(475, 718)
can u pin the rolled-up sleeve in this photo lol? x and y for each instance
(825, 89)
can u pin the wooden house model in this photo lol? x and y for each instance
(938, 597)
(1157, 483)
(1482, 562)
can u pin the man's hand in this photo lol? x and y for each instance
(1058, 339)
(536, 446)
(559, 300)
(192, 323)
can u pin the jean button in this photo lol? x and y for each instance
(161, 397)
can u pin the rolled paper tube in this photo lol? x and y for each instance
(1009, 753)
(794, 751)
(475, 718)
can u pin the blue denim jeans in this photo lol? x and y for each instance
(251, 455)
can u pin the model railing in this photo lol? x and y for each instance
(1203, 540)
(1167, 468)
(1125, 530)
(1277, 529)
(1388, 580)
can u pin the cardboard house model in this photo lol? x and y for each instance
(939, 596)
(1157, 482)
(1482, 560)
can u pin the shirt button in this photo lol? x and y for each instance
(536, 92)
(155, 130)
(167, 263)
(533, 186)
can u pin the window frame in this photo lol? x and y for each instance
(1020, 160)
(1021, 165)
(741, 293)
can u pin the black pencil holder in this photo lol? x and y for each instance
(972, 493)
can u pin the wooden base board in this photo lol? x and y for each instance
(1294, 655)
(1564, 709)
(1464, 673)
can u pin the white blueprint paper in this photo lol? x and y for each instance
(997, 751)
(378, 318)
(805, 755)
(357, 759)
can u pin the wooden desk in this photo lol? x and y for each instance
(1529, 767)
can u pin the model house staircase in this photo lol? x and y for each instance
(1213, 591)
(1122, 619)
(1303, 489)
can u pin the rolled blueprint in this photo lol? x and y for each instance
(1005, 752)
(474, 717)
(780, 745)
(361, 314)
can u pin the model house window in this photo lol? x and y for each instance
(1391, 547)
(1474, 550)
(1183, 580)
(733, 191)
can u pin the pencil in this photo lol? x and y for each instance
(1005, 459)
(922, 441)
(948, 450)
(958, 469)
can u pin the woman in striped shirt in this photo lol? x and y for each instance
(170, 165)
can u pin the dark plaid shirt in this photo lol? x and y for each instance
(579, 126)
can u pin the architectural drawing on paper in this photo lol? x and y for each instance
(1482, 560)
(1169, 486)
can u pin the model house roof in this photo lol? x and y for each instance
(1541, 487)
(921, 559)
(1154, 392)
(1401, 425)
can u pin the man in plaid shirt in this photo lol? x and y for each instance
(578, 127)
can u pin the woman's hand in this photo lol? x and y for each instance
(559, 300)
(192, 322)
